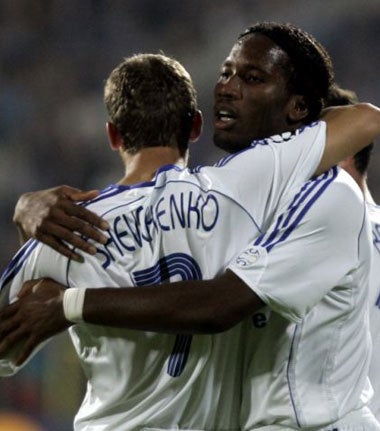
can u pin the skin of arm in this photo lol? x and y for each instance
(165, 309)
(349, 129)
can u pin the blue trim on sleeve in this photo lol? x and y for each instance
(17, 262)
(297, 210)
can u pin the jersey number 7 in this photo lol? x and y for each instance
(174, 265)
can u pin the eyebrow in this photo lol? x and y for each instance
(246, 66)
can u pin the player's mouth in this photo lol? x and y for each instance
(224, 118)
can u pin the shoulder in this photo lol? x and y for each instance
(374, 213)
(345, 184)
(336, 199)
(34, 260)
(345, 194)
(117, 198)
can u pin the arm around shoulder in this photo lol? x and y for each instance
(349, 129)
(188, 307)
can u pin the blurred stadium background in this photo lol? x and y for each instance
(55, 56)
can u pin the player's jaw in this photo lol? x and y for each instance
(234, 128)
(229, 139)
(225, 116)
(227, 127)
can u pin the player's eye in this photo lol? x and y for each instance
(253, 77)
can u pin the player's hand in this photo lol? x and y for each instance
(36, 316)
(53, 217)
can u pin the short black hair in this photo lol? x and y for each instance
(151, 100)
(342, 97)
(311, 69)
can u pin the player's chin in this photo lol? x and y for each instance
(225, 141)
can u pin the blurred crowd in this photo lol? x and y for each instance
(55, 56)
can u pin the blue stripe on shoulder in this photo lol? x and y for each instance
(17, 262)
(301, 204)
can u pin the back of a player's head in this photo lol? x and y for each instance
(342, 97)
(310, 72)
(151, 100)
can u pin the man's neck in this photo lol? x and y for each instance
(142, 166)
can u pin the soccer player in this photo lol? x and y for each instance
(202, 222)
(357, 167)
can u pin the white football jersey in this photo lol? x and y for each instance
(182, 225)
(307, 355)
(374, 311)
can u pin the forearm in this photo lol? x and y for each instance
(349, 130)
(209, 306)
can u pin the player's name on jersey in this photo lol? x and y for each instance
(185, 210)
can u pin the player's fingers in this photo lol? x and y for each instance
(28, 288)
(63, 249)
(31, 343)
(84, 216)
(6, 313)
(69, 219)
(90, 232)
(9, 340)
(87, 230)
(80, 196)
(66, 190)
(61, 233)
(73, 192)
(7, 326)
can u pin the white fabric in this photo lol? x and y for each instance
(353, 421)
(307, 359)
(181, 225)
(374, 371)
(197, 221)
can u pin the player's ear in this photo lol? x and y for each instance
(196, 128)
(297, 109)
(114, 138)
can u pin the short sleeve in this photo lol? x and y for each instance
(308, 249)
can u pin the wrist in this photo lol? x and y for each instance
(73, 302)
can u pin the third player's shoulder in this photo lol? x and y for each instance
(344, 181)
(374, 213)
(339, 200)
(344, 189)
